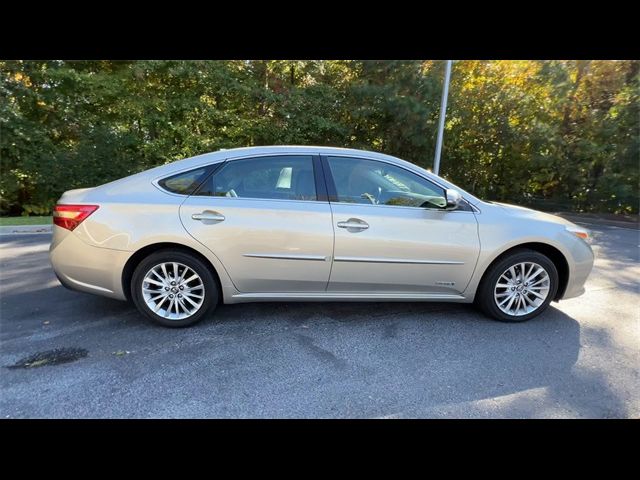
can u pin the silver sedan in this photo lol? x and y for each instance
(288, 223)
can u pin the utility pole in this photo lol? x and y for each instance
(443, 113)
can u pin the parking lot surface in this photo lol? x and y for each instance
(333, 360)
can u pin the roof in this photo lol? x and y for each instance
(232, 153)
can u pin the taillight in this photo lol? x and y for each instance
(70, 216)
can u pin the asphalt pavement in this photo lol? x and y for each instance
(65, 354)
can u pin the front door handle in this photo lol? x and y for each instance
(208, 215)
(354, 224)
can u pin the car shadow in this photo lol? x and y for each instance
(419, 359)
(449, 356)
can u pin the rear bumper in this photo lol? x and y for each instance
(85, 268)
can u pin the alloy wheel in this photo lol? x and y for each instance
(173, 290)
(522, 289)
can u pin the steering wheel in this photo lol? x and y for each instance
(430, 204)
(369, 197)
(231, 193)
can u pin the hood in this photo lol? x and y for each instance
(524, 212)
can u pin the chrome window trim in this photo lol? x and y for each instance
(252, 199)
(156, 180)
(404, 207)
(312, 152)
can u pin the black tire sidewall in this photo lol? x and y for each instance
(485, 299)
(210, 286)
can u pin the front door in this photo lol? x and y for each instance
(392, 233)
(261, 217)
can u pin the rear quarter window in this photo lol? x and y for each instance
(184, 183)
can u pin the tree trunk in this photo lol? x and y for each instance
(583, 67)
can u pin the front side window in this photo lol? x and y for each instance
(378, 183)
(287, 177)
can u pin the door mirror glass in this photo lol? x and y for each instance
(453, 199)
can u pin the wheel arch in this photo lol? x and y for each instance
(551, 252)
(144, 252)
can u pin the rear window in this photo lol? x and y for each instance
(184, 183)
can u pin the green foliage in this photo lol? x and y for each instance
(558, 133)
(522, 131)
(25, 220)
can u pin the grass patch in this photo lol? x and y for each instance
(11, 221)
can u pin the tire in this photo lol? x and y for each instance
(150, 291)
(529, 305)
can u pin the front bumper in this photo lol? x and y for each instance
(579, 269)
(86, 268)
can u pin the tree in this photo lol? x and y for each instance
(555, 134)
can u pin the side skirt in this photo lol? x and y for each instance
(345, 297)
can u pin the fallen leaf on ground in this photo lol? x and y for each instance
(37, 363)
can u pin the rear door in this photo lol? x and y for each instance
(268, 220)
(392, 234)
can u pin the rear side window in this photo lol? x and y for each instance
(184, 183)
(286, 177)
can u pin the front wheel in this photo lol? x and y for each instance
(518, 287)
(174, 288)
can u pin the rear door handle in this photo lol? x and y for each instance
(208, 216)
(354, 224)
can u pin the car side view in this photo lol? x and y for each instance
(293, 223)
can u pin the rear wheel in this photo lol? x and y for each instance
(173, 288)
(518, 287)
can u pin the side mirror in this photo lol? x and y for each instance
(453, 199)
